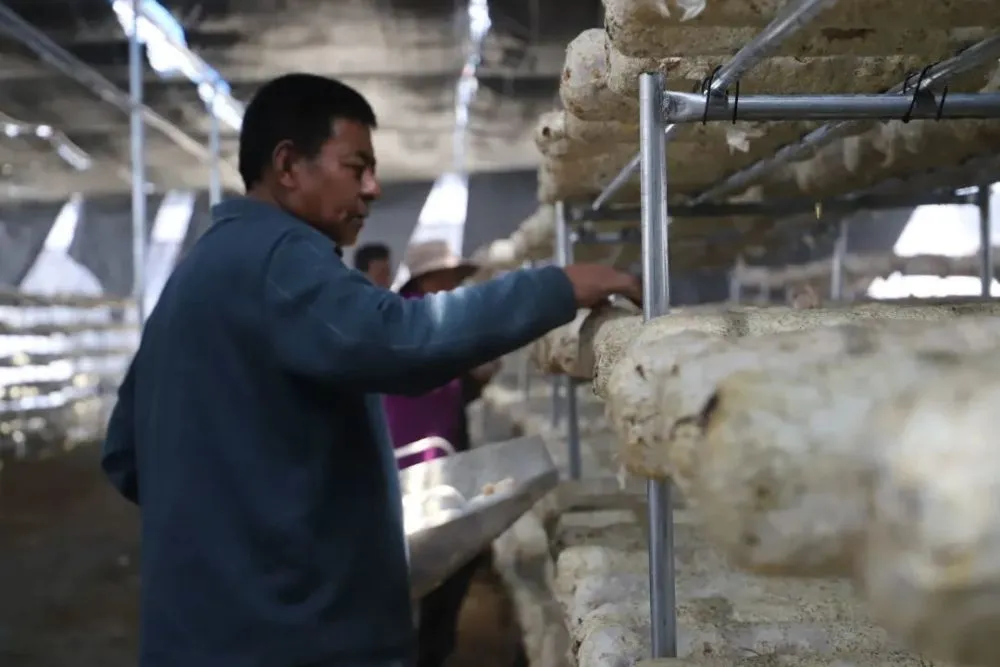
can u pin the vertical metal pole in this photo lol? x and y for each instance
(985, 241)
(555, 381)
(837, 268)
(137, 140)
(656, 302)
(525, 370)
(564, 257)
(214, 173)
(573, 429)
(736, 281)
(524, 373)
(556, 400)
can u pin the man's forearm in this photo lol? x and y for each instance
(334, 327)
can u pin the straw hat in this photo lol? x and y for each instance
(426, 257)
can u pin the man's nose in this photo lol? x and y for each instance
(371, 189)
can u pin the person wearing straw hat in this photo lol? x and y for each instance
(249, 427)
(432, 268)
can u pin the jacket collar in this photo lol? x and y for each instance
(239, 207)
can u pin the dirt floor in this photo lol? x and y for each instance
(68, 555)
(69, 584)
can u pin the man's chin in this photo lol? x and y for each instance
(349, 233)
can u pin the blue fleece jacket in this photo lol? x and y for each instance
(249, 431)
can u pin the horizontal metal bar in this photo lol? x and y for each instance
(780, 208)
(792, 19)
(695, 107)
(970, 58)
(629, 236)
(619, 181)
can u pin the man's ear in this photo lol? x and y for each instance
(284, 160)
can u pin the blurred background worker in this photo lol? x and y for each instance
(374, 260)
(441, 412)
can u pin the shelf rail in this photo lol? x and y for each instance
(921, 105)
(658, 106)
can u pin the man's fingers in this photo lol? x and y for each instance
(634, 294)
(631, 289)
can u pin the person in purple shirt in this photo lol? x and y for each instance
(434, 268)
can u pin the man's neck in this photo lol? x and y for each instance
(264, 195)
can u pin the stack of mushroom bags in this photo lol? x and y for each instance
(853, 46)
(852, 441)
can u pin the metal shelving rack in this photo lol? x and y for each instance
(20, 30)
(660, 110)
(980, 198)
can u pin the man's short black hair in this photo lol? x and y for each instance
(368, 253)
(299, 108)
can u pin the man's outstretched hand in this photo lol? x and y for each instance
(594, 283)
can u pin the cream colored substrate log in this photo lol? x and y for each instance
(726, 618)
(562, 135)
(721, 42)
(672, 366)
(532, 240)
(638, 25)
(932, 565)
(778, 461)
(560, 179)
(715, 322)
(571, 349)
(574, 170)
(885, 151)
(593, 342)
(583, 87)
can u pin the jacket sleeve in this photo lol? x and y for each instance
(118, 456)
(328, 323)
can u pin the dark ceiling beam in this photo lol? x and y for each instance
(253, 75)
(436, 89)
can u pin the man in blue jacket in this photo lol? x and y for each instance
(248, 428)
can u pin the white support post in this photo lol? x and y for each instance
(837, 269)
(137, 144)
(736, 281)
(214, 147)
